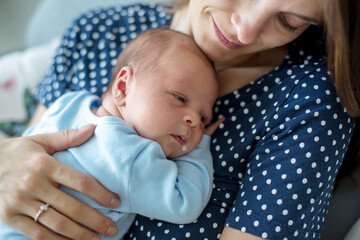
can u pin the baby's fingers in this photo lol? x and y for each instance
(209, 130)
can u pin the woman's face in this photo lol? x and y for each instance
(228, 29)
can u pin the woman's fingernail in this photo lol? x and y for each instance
(115, 201)
(95, 238)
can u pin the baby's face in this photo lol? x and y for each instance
(173, 104)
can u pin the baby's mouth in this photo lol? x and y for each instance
(180, 139)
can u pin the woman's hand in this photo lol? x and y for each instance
(29, 178)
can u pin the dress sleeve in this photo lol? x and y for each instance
(175, 190)
(60, 78)
(90, 46)
(286, 188)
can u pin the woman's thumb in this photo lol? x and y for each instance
(58, 141)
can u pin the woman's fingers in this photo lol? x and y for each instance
(79, 213)
(65, 139)
(55, 219)
(82, 182)
(75, 211)
(60, 173)
(68, 176)
(20, 215)
(33, 230)
(29, 174)
(62, 225)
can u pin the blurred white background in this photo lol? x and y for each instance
(14, 18)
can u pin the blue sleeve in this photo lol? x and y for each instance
(146, 181)
(175, 190)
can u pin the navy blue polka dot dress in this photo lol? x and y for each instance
(276, 155)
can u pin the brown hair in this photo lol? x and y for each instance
(343, 50)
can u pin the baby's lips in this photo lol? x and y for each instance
(184, 139)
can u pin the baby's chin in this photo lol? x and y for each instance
(177, 153)
(174, 155)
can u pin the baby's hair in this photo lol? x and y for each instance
(144, 52)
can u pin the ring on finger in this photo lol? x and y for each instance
(43, 208)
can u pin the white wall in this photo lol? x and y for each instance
(14, 16)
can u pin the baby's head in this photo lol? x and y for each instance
(145, 51)
(164, 87)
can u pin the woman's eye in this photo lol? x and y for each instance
(286, 25)
(181, 99)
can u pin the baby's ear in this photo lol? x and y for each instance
(121, 85)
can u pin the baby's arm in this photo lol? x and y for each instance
(175, 190)
(209, 130)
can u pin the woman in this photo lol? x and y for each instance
(275, 157)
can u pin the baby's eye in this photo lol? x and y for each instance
(181, 99)
(202, 118)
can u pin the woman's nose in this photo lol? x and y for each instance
(247, 26)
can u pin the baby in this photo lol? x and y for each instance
(149, 145)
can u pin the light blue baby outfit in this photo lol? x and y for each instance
(133, 167)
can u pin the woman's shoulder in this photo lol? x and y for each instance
(301, 57)
(304, 64)
(307, 88)
(115, 24)
(140, 13)
(303, 81)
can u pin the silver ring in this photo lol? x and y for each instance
(42, 209)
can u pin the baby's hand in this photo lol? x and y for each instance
(209, 130)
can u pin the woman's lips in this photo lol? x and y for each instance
(223, 40)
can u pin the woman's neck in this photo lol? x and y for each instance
(181, 21)
(266, 59)
(232, 77)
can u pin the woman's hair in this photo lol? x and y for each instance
(342, 24)
(343, 38)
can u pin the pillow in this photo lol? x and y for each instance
(21, 71)
(354, 233)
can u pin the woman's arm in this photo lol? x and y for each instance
(39, 112)
(234, 234)
(29, 177)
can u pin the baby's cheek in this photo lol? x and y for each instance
(197, 140)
